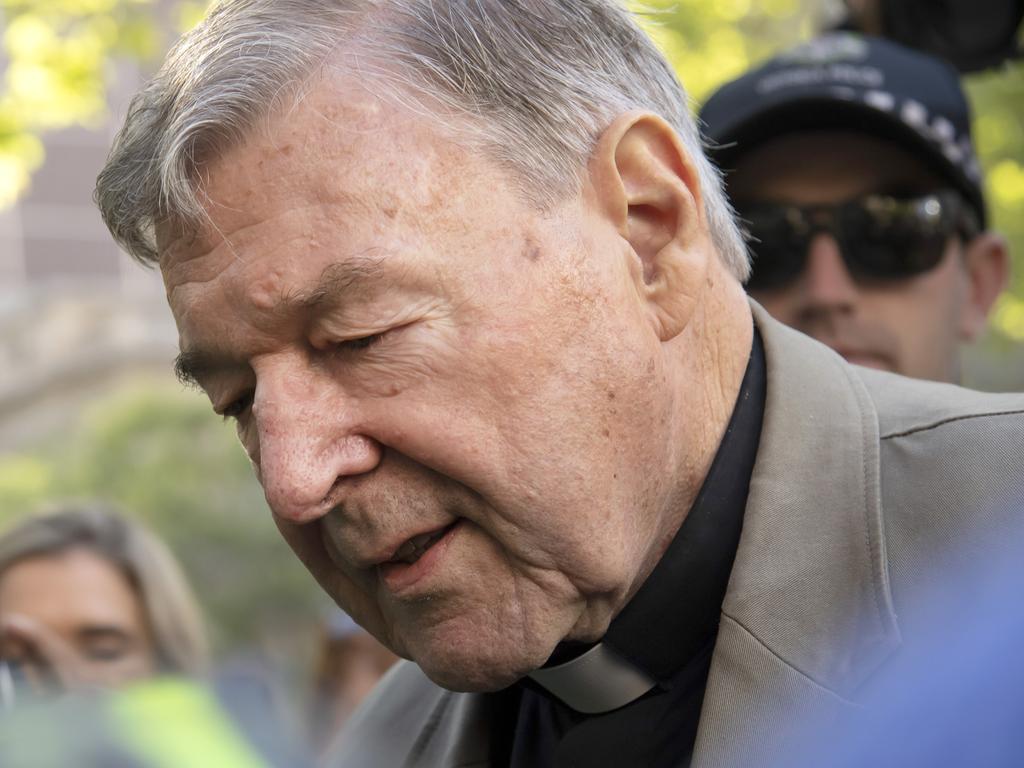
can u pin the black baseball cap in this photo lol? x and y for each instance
(856, 83)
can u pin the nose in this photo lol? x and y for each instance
(828, 285)
(309, 442)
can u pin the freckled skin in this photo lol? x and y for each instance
(515, 382)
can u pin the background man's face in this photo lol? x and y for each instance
(424, 366)
(911, 326)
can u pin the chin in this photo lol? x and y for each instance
(473, 668)
(471, 681)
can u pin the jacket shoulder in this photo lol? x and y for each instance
(908, 406)
(951, 464)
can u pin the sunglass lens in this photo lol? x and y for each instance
(774, 267)
(777, 252)
(893, 246)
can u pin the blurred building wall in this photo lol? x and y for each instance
(76, 314)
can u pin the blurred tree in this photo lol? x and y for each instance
(712, 43)
(998, 100)
(157, 453)
(57, 58)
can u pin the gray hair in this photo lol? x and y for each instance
(536, 82)
(167, 601)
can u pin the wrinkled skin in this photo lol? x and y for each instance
(913, 326)
(407, 344)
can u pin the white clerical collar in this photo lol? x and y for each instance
(598, 681)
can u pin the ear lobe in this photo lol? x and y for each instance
(648, 187)
(987, 261)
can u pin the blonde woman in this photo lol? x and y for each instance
(89, 598)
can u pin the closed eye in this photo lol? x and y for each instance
(237, 407)
(364, 342)
(105, 644)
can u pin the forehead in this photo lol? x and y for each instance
(812, 167)
(342, 160)
(71, 585)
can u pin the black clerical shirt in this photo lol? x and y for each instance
(667, 630)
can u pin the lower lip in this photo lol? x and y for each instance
(401, 577)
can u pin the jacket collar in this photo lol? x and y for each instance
(810, 578)
(808, 615)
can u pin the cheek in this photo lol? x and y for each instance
(136, 664)
(930, 307)
(401, 366)
(944, 289)
(502, 620)
(356, 598)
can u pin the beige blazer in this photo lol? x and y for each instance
(863, 481)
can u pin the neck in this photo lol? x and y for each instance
(707, 364)
(700, 375)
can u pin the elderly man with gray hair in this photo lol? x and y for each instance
(462, 276)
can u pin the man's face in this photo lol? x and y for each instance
(911, 326)
(453, 401)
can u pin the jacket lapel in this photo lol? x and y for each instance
(808, 614)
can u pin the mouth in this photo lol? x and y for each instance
(415, 547)
(416, 559)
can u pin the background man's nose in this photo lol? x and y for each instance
(827, 281)
(307, 446)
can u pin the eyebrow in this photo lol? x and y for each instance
(191, 366)
(337, 280)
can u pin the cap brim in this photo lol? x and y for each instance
(817, 113)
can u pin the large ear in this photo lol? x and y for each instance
(648, 187)
(987, 261)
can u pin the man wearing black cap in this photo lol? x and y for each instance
(850, 161)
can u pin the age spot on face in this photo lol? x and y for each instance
(531, 250)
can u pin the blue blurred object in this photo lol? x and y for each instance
(954, 695)
(339, 624)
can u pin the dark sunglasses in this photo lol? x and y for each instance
(881, 238)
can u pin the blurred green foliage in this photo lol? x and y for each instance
(712, 43)
(998, 100)
(159, 454)
(58, 57)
